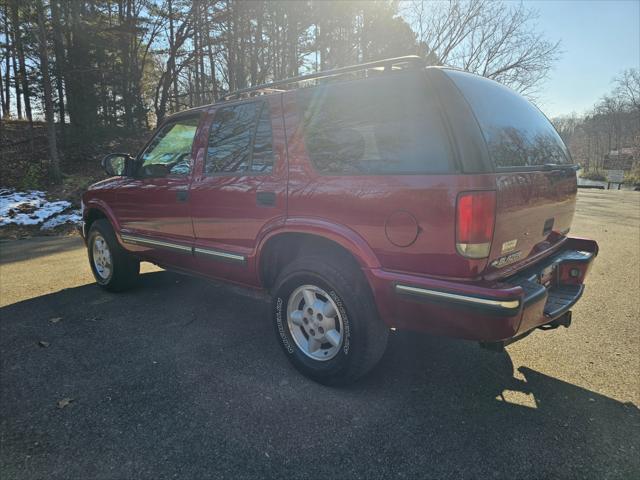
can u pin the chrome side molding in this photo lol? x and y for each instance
(207, 252)
(454, 297)
(232, 257)
(148, 242)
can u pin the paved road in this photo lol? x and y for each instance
(183, 379)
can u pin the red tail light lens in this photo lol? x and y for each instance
(475, 219)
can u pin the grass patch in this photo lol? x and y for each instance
(632, 178)
(594, 175)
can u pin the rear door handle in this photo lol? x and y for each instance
(266, 199)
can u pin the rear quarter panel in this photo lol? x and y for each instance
(367, 204)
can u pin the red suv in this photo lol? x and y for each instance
(383, 195)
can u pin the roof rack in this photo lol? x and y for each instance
(385, 65)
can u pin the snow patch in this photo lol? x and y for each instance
(33, 208)
(73, 216)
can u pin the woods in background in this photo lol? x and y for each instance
(94, 65)
(612, 124)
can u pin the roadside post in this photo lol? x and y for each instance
(614, 176)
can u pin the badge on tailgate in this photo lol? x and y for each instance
(506, 260)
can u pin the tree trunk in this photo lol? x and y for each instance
(164, 85)
(173, 104)
(231, 50)
(203, 79)
(2, 104)
(58, 48)
(7, 89)
(15, 20)
(124, 15)
(255, 47)
(54, 164)
(16, 82)
(196, 52)
(212, 64)
(81, 96)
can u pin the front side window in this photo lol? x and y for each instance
(516, 132)
(169, 153)
(240, 140)
(384, 125)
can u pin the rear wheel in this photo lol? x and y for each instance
(326, 320)
(113, 268)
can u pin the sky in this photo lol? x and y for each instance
(599, 39)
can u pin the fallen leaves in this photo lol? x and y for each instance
(65, 402)
(25, 208)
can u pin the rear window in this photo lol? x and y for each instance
(516, 132)
(384, 125)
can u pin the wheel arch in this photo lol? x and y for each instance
(279, 248)
(96, 210)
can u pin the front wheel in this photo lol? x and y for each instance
(326, 321)
(113, 268)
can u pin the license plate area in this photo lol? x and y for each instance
(547, 276)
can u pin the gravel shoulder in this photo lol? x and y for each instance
(183, 378)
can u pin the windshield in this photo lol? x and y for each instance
(516, 132)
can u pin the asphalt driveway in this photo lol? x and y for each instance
(182, 378)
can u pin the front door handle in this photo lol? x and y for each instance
(182, 195)
(266, 199)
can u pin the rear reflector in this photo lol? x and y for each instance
(475, 219)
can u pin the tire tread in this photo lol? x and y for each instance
(372, 332)
(126, 268)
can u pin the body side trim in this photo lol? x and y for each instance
(436, 294)
(232, 257)
(149, 242)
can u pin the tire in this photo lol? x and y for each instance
(113, 268)
(304, 332)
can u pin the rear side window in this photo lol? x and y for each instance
(240, 140)
(384, 125)
(516, 132)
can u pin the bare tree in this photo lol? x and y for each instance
(54, 163)
(612, 124)
(628, 87)
(172, 68)
(60, 60)
(19, 50)
(3, 105)
(7, 59)
(566, 125)
(487, 37)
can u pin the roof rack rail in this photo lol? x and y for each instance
(386, 64)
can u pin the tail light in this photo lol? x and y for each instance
(475, 219)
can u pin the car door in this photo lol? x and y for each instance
(153, 208)
(241, 187)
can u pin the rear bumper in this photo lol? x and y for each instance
(486, 312)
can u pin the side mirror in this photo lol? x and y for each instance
(117, 164)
